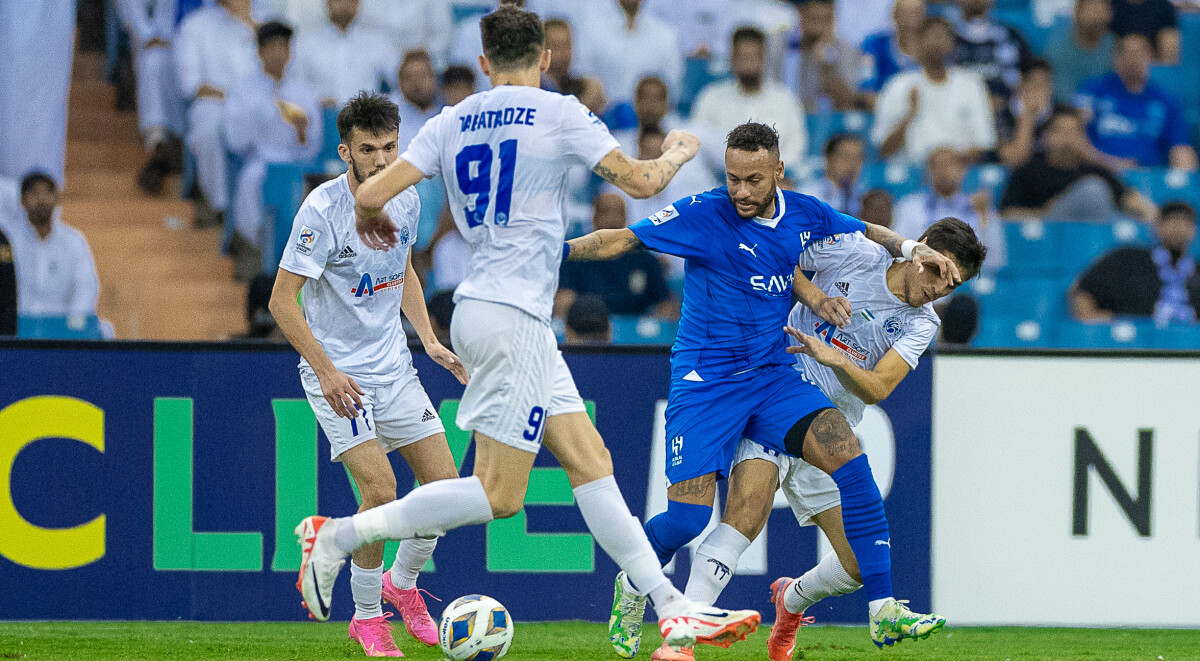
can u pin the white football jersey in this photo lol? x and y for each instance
(504, 155)
(352, 297)
(854, 267)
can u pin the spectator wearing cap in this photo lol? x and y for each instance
(151, 28)
(1156, 20)
(272, 116)
(1162, 282)
(1062, 184)
(887, 53)
(632, 284)
(344, 56)
(752, 96)
(628, 47)
(1131, 120)
(944, 197)
(1081, 49)
(458, 82)
(839, 186)
(819, 67)
(417, 95)
(588, 323)
(935, 106)
(991, 49)
(214, 49)
(56, 275)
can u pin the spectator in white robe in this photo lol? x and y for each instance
(621, 52)
(344, 56)
(413, 25)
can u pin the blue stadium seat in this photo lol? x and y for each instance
(896, 178)
(1026, 298)
(1021, 19)
(329, 137)
(60, 328)
(1189, 28)
(822, 127)
(1078, 244)
(992, 178)
(696, 75)
(643, 330)
(1163, 185)
(283, 193)
(1005, 331)
(1125, 333)
(233, 168)
(1031, 249)
(1177, 337)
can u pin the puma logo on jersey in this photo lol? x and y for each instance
(695, 200)
(347, 253)
(749, 249)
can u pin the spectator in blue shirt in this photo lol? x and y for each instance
(1131, 120)
(887, 53)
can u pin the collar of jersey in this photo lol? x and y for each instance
(780, 208)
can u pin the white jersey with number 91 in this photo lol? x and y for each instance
(504, 155)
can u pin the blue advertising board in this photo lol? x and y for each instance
(159, 481)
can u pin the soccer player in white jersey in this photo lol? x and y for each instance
(356, 367)
(504, 154)
(856, 344)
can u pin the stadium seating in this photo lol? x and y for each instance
(643, 330)
(822, 127)
(1130, 333)
(60, 328)
(1163, 185)
(1009, 331)
(283, 193)
(896, 178)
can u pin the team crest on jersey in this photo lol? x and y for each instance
(893, 326)
(404, 236)
(307, 239)
(663, 216)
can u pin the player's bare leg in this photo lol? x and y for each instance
(577, 445)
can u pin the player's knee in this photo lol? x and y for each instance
(504, 507)
(377, 492)
(830, 442)
(747, 513)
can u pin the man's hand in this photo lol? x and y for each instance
(375, 228)
(926, 257)
(684, 144)
(914, 104)
(446, 358)
(207, 91)
(834, 309)
(157, 42)
(341, 392)
(812, 346)
(294, 115)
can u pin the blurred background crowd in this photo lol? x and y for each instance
(1063, 131)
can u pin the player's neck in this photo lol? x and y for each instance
(353, 182)
(897, 274)
(525, 78)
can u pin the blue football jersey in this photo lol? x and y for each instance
(737, 289)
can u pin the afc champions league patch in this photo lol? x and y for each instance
(307, 239)
(833, 240)
(664, 215)
(893, 326)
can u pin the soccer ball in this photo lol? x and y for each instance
(475, 628)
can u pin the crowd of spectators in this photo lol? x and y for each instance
(944, 86)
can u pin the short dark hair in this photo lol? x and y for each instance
(648, 81)
(1177, 208)
(957, 238)
(33, 179)
(588, 315)
(836, 141)
(273, 30)
(416, 55)
(512, 38)
(936, 21)
(369, 112)
(1036, 64)
(753, 136)
(457, 73)
(748, 33)
(556, 23)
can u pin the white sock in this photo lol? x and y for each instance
(430, 510)
(714, 564)
(622, 537)
(410, 558)
(366, 585)
(827, 579)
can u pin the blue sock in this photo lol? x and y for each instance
(673, 529)
(866, 526)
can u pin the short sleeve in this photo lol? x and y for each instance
(917, 336)
(678, 229)
(424, 150)
(825, 255)
(310, 246)
(583, 134)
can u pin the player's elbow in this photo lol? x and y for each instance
(641, 190)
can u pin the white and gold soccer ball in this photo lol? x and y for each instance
(475, 628)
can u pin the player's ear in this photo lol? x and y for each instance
(484, 66)
(344, 152)
(779, 169)
(544, 61)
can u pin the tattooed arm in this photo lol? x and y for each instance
(642, 179)
(603, 244)
(922, 254)
(886, 238)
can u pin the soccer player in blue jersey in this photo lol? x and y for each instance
(731, 375)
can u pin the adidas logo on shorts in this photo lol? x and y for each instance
(428, 416)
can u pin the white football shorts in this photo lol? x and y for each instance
(393, 415)
(518, 375)
(808, 489)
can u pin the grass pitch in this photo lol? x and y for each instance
(567, 641)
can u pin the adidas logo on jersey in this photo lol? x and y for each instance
(347, 253)
(427, 416)
(843, 287)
